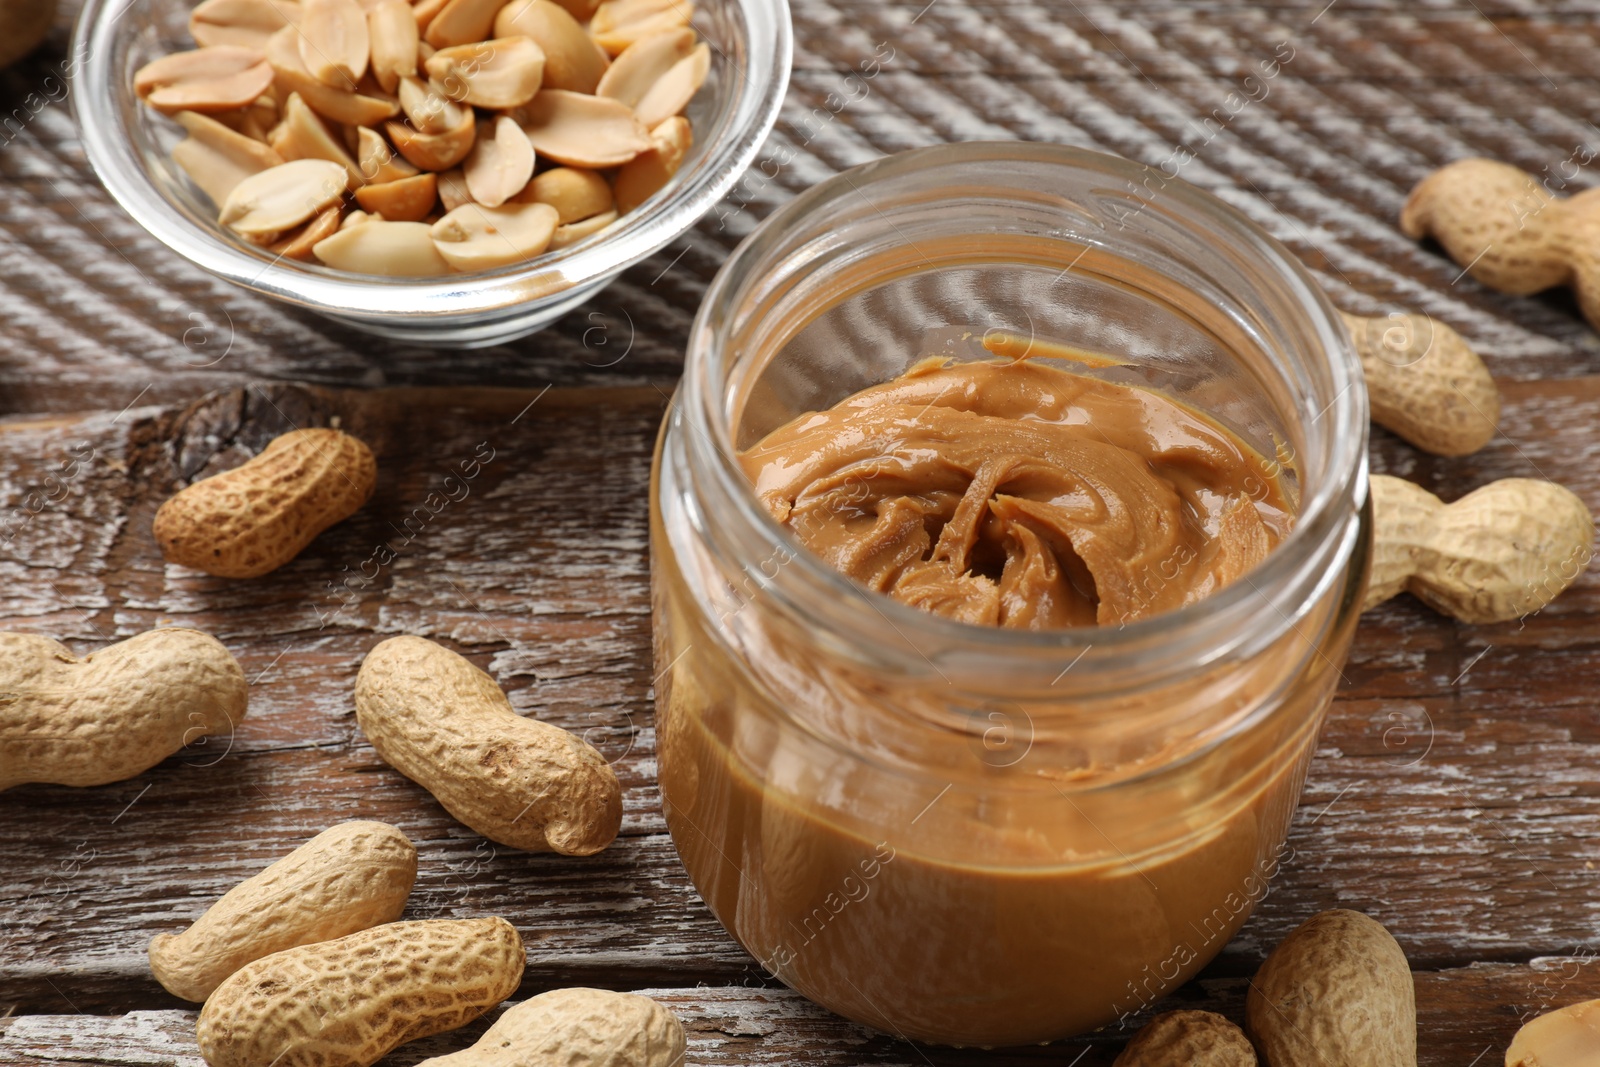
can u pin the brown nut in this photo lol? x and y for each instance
(1188, 1039)
(242, 23)
(1500, 552)
(619, 23)
(1493, 219)
(267, 204)
(474, 237)
(392, 31)
(299, 244)
(378, 161)
(573, 232)
(462, 22)
(446, 725)
(218, 158)
(333, 41)
(303, 135)
(118, 711)
(1425, 383)
(500, 165)
(575, 193)
(572, 59)
(379, 246)
(649, 172)
(255, 518)
(590, 1027)
(404, 200)
(349, 1001)
(643, 63)
(350, 877)
(1336, 993)
(582, 131)
(223, 78)
(340, 105)
(1569, 1037)
(435, 151)
(496, 74)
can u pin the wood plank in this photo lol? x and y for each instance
(1464, 1016)
(1453, 796)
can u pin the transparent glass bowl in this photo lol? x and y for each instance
(128, 145)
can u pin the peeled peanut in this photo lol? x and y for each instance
(573, 232)
(474, 237)
(340, 105)
(299, 244)
(1188, 1039)
(403, 200)
(223, 78)
(1425, 384)
(302, 135)
(116, 712)
(334, 45)
(500, 164)
(1500, 552)
(462, 22)
(446, 725)
(582, 131)
(575, 193)
(1569, 1037)
(380, 246)
(572, 59)
(243, 23)
(643, 63)
(649, 172)
(349, 1001)
(348, 878)
(428, 107)
(283, 197)
(1336, 993)
(378, 161)
(577, 1028)
(435, 151)
(497, 74)
(393, 34)
(218, 158)
(255, 518)
(619, 23)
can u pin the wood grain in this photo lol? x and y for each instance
(1456, 792)
(740, 1026)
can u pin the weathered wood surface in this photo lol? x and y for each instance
(1456, 793)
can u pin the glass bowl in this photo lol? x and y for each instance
(128, 145)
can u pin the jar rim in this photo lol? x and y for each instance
(1327, 511)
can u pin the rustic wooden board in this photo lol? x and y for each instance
(1456, 791)
(737, 1026)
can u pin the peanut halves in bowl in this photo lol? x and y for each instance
(411, 139)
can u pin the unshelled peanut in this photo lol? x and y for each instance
(446, 725)
(116, 712)
(577, 1028)
(1500, 552)
(1569, 1037)
(1188, 1039)
(1508, 231)
(255, 518)
(347, 1002)
(1425, 383)
(348, 878)
(1336, 993)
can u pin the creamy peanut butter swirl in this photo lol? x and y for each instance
(1011, 493)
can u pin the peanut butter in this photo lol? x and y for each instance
(1011, 493)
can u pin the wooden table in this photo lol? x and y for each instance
(1456, 792)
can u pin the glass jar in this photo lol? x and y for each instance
(978, 836)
